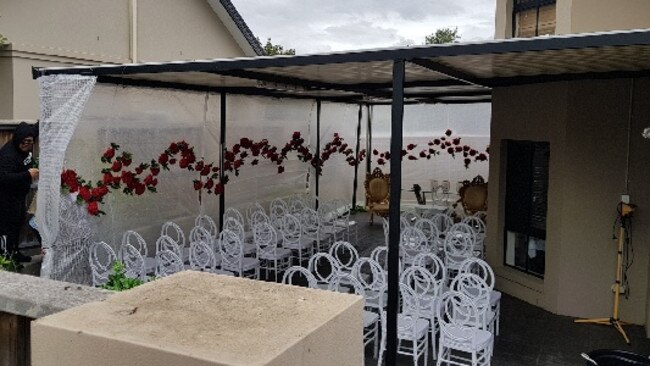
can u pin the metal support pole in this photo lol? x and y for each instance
(394, 224)
(222, 142)
(318, 169)
(369, 139)
(355, 183)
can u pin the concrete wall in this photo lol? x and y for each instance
(71, 32)
(586, 123)
(583, 16)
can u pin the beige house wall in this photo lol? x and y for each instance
(587, 124)
(74, 32)
(583, 16)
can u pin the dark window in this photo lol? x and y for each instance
(531, 18)
(526, 205)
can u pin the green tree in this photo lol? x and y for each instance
(3, 40)
(276, 49)
(442, 35)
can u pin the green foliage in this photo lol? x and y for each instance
(443, 35)
(358, 208)
(3, 40)
(117, 281)
(8, 264)
(275, 49)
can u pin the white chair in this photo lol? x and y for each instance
(345, 254)
(370, 318)
(410, 217)
(252, 209)
(443, 222)
(134, 239)
(165, 242)
(431, 232)
(168, 263)
(311, 228)
(372, 279)
(268, 253)
(233, 259)
(289, 274)
(277, 214)
(258, 217)
(411, 328)
(172, 230)
(203, 258)
(459, 331)
(296, 205)
(464, 229)
(325, 268)
(291, 239)
(478, 226)
(435, 265)
(482, 269)
(230, 223)
(102, 258)
(476, 289)
(328, 218)
(235, 214)
(347, 225)
(208, 224)
(134, 266)
(412, 242)
(457, 249)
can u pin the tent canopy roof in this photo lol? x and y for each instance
(449, 73)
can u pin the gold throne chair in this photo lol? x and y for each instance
(377, 193)
(474, 196)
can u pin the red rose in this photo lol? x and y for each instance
(199, 166)
(467, 162)
(117, 166)
(197, 185)
(423, 154)
(93, 208)
(215, 169)
(191, 158)
(411, 157)
(237, 164)
(456, 141)
(450, 150)
(127, 177)
(206, 170)
(172, 161)
(85, 194)
(459, 149)
(183, 163)
(236, 149)
(173, 148)
(411, 146)
(245, 143)
(163, 158)
(481, 157)
(154, 182)
(280, 169)
(296, 135)
(108, 178)
(155, 170)
(96, 193)
(126, 162)
(436, 141)
(448, 132)
(209, 184)
(472, 152)
(138, 170)
(139, 189)
(381, 161)
(466, 148)
(148, 179)
(109, 154)
(218, 188)
(116, 180)
(254, 162)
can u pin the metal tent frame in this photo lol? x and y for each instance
(452, 73)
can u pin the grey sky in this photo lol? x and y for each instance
(312, 26)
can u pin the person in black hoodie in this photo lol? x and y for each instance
(15, 180)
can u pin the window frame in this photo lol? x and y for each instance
(528, 5)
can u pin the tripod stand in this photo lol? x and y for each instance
(626, 213)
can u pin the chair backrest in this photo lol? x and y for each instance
(202, 257)
(480, 268)
(461, 227)
(230, 223)
(133, 262)
(413, 242)
(167, 243)
(324, 267)
(380, 255)
(345, 254)
(377, 186)
(265, 238)
(291, 230)
(442, 221)
(134, 239)
(310, 223)
(346, 280)
(234, 213)
(474, 195)
(296, 205)
(372, 279)
(102, 257)
(207, 223)
(410, 216)
(422, 282)
(168, 263)
(278, 202)
(433, 264)
(430, 230)
(251, 210)
(173, 231)
(474, 287)
(458, 245)
(199, 233)
(259, 217)
(277, 214)
(290, 272)
(232, 250)
(475, 223)
(458, 316)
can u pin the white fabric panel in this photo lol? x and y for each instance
(144, 122)
(62, 101)
(257, 118)
(338, 174)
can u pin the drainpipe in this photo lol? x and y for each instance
(133, 31)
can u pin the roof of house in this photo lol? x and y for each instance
(243, 35)
(450, 73)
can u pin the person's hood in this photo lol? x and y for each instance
(23, 131)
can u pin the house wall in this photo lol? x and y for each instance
(72, 32)
(583, 16)
(587, 124)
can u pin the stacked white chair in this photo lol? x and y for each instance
(412, 243)
(135, 240)
(203, 258)
(372, 279)
(479, 228)
(233, 259)
(458, 318)
(102, 257)
(346, 256)
(476, 289)
(443, 222)
(482, 269)
(168, 263)
(269, 254)
(208, 224)
(411, 327)
(312, 232)
(134, 264)
(325, 268)
(457, 249)
(431, 232)
(292, 238)
(232, 224)
(167, 243)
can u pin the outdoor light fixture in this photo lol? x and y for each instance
(646, 133)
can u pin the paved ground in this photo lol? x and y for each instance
(529, 335)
